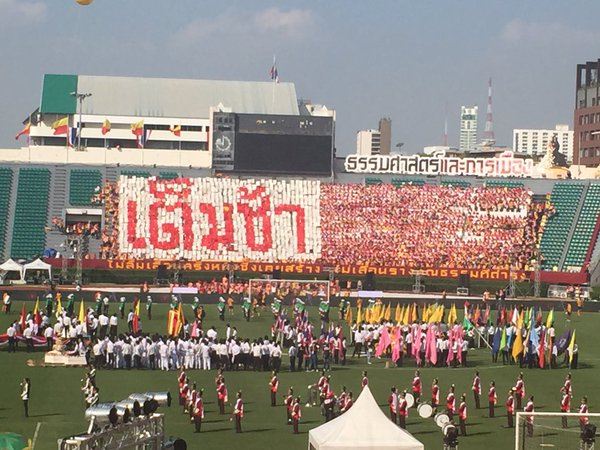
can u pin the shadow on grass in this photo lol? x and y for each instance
(480, 433)
(46, 415)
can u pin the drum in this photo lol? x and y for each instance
(425, 410)
(441, 419)
(410, 400)
(447, 427)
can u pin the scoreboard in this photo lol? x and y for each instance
(272, 144)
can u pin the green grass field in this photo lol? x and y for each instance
(56, 400)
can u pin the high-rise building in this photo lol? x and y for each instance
(586, 143)
(535, 142)
(375, 142)
(468, 128)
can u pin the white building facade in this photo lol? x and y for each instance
(534, 142)
(368, 142)
(468, 128)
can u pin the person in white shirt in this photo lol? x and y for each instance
(205, 355)
(11, 333)
(103, 323)
(113, 323)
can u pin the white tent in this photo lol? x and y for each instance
(12, 266)
(363, 427)
(38, 264)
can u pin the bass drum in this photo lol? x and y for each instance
(410, 400)
(441, 419)
(425, 410)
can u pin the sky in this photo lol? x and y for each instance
(408, 60)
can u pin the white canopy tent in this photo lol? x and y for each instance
(38, 264)
(12, 266)
(363, 427)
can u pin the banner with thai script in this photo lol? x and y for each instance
(219, 219)
(505, 165)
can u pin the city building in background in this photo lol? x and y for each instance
(468, 128)
(375, 141)
(586, 145)
(535, 142)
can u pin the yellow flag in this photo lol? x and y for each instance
(398, 313)
(452, 314)
(359, 316)
(36, 308)
(426, 313)
(406, 318)
(571, 347)
(388, 313)
(59, 307)
(349, 315)
(518, 345)
(81, 312)
(550, 318)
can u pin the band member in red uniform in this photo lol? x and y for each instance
(198, 411)
(476, 388)
(222, 395)
(323, 386)
(347, 404)
(289, 403)
(519, 390)
(402, 410)
(568, 385)
(435, 394)
(329, 404)
(450, 403)
(492, 399)
(238, 412)
(529, 407)
(296, 414)
(365, 381)
(342, 398)
(416, 387)
(462, 415)
(565, 406)
(510, 408)
(393, 404)
(181, 378)
(183, 394)
(583, 409)
(274, 385)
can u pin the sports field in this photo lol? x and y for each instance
(56, 401)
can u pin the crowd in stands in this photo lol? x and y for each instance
(108, 197)
(77, 228)
(428, 226)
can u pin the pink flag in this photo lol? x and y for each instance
(195, 332)
(384, 342)
(430, 346)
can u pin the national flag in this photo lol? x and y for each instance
(467, 325)
(274, 72)
(25, 131)
(106, 126)
(571, 347)
(175, 129)
(72, 137)
(172, 320)
(61, 126)
(137, 128)
(550, 318)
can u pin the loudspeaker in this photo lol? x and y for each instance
(369, 282)
(464, 280)
(277, 274)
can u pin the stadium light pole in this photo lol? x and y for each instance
(80, 97)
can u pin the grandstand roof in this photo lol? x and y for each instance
(165, 97)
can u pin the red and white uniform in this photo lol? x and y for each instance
(364, 382)
(199, 408)
(322, 381)
(184, 391)
(296, 411)
(222, 392)
(274, 383)
(347, 405)
(451, 402)
(492, 397)
(416, 386)
(567, 387)
(529, 408)
(583, 409)
(289, 403)
(476, 385)
(462, 411)
(520, 388)
(510, 405)
(435, 394)
(181, 379)
(403, 407)
(565, 403)
(342, 400)
(393, 402)
(239, 408)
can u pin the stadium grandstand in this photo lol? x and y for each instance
(144, 184)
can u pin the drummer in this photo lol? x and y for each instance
(416, 387)
(402, 410)
(435, 394)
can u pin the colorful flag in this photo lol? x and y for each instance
(550, 318)
(398, 313)
(61, 126)
(542, 351)
(452, 316)
(175, 129)
(23, 318)
(497, 340)
(388, 313)
(59, 307)
(503, 339)
(72, 137)
(384, 342)
(563, 342)
(359, 317)
(25, 131)
(348, 317)
(82, 318)
(106, 126)
(518, 345)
